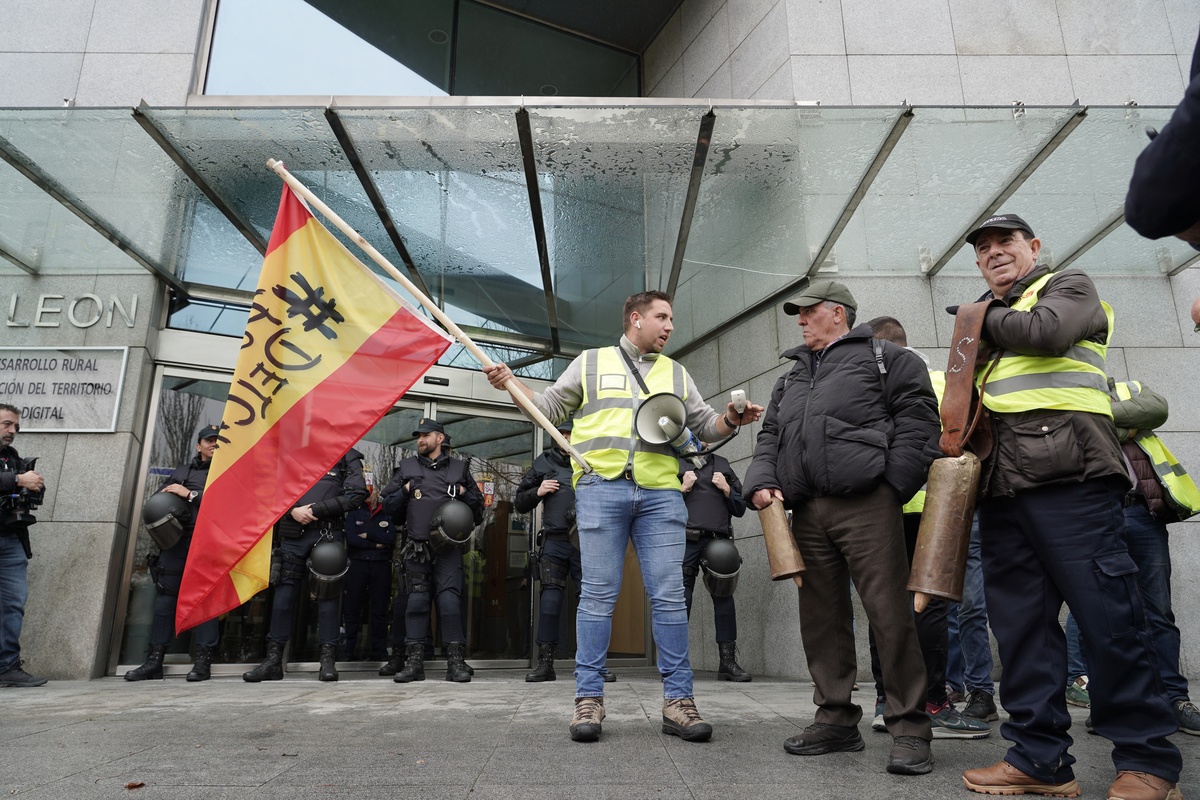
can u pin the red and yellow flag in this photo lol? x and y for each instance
(327, 351)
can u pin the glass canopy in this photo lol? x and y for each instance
(530, 224)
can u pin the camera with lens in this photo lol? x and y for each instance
(16, 509)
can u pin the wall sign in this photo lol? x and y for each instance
(64, 389)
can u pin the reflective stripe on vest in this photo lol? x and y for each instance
(937, 377)
(1074, 381)
(603, 428)
(1179, 486)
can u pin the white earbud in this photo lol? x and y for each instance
(637, 323)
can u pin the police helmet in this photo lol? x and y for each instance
(164, 515)
(328, 564)
(721, 563)
(452, 525)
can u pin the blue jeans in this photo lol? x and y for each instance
(976, 646)
(1076, 664)
(14, 589)
(1147, 542)
(612, 514)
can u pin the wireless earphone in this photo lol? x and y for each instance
(637, 323)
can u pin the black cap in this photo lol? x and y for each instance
(817, 291)
(1011, 221)
(427, 425)
(565, 426)
(208, 432)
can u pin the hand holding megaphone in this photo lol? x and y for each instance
(662, 419)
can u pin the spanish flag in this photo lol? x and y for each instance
(328, 350)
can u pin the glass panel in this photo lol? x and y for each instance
(775, 182)
(205, 317)
(230, 148)
(37, 229)
(1080, 188)
(103, 160)
(312, 54)
(613, 182)
(502, 54)
(454, 182)
(1124, 252)
(947, 167)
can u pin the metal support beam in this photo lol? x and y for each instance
(163, 141)
(703, 141)
(22, 164)
(881, 156)
(376, 198)
(16, 261)
(1060, 135)
(525, 132)
(1114, 222)
(1186, 263)
(860, 191)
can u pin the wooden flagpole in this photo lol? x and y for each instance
(441, 316)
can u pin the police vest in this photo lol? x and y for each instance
(707, 506)
(1179, 486)
(551, 465)
(429, 488)
(937, 377)
(603, 432)
(1074, 381)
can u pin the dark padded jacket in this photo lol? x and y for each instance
(843, 427)
(192, 476)
(338, 491)
(10, 463)
(1144, 412)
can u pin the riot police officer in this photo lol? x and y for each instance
(423, 490)
(369, 540)
(315, 520)
(713, 496)
(166, 568)
(548, 482)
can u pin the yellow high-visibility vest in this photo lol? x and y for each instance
(603, 429)
(1180, 488)
(1074, 381)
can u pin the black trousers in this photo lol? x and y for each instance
(859, 538)
(1064, 543)
(291, 584)
(932, 631)
(565, 559)
(368, 582)
(171, 563)
(443, 576)
(724, 610)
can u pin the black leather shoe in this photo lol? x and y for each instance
(821, 738)
(910, 756)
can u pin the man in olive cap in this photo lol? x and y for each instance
(842, 445)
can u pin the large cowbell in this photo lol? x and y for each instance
(662, 419)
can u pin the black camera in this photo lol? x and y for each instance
(16, 509)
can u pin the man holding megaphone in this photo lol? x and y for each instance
(631, 492)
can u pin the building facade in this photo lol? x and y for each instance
(770, 140)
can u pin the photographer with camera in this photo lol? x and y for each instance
(21, 489)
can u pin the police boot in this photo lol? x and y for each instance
(414, 664)
(456, 666)
(271, 668)
(729, 670)
(392, 666)
(544, 671)
(153, 666)
(328, 670)
(202, 668)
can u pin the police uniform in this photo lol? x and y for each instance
(166, 568)
(419, 487)
(710, 512)
(558, 558)
(369, 540)
(339, 491)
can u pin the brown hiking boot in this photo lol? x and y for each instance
(680, 718)
(1003, 778)
(589, 713)
(1131, 785)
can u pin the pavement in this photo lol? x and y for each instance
(496, 738)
